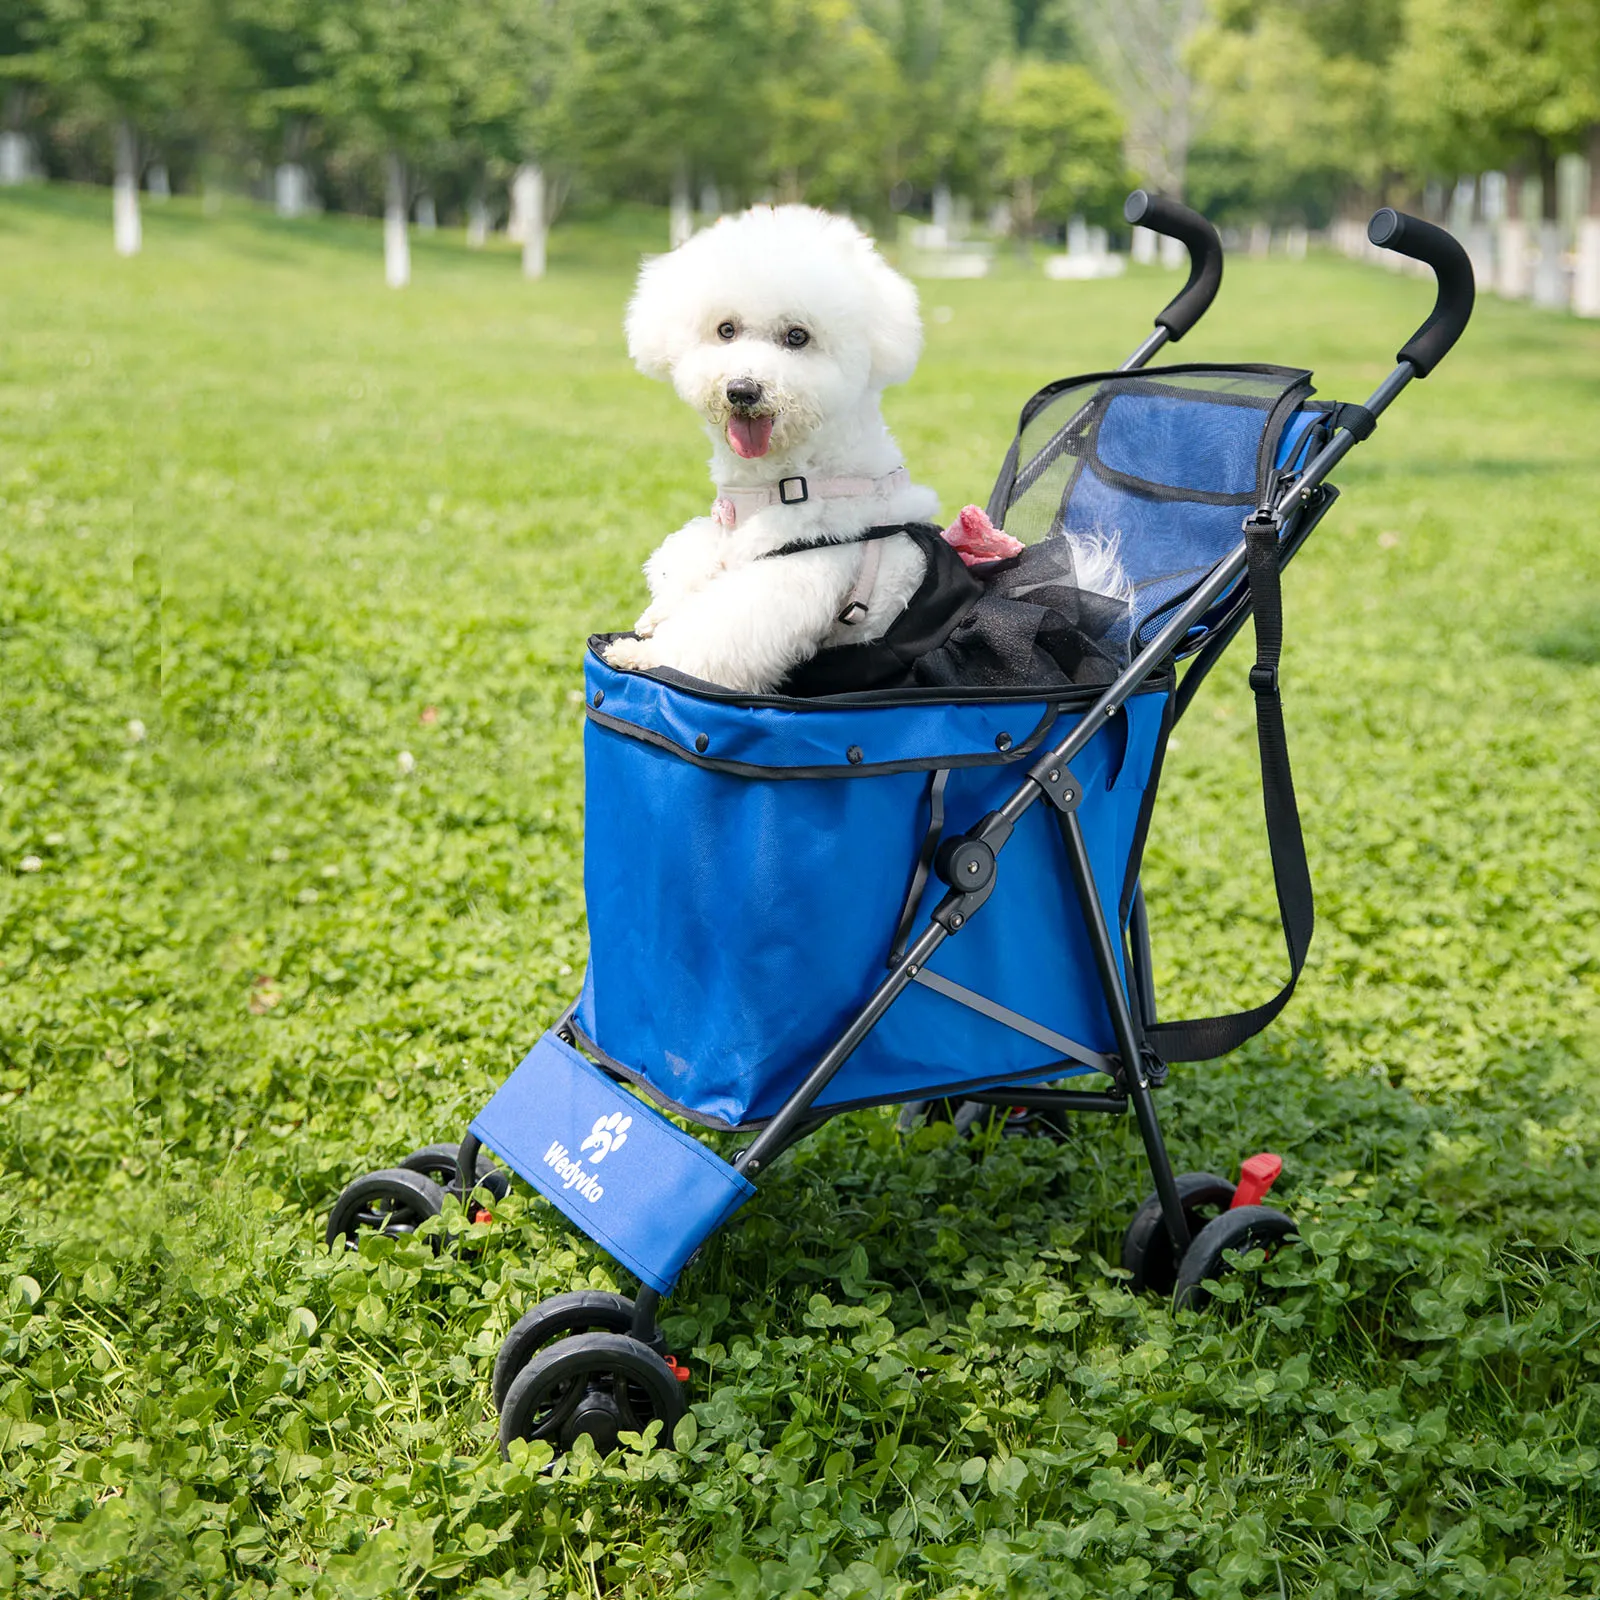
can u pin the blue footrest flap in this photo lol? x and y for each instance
(638, 1186)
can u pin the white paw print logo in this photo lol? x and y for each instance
(609, 1134)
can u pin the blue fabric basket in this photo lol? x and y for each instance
(746, 866)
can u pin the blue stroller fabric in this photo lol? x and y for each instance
(746, 867)
(629, 1179)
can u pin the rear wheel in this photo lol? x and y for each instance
(1147, 1246)
(1246, 1228)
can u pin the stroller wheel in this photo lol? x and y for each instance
(964, 1114)
(393, 1201)
(1147, 1247)
(586, 1311)
(1247, 1228)
(601, 1384)
(438, 1161)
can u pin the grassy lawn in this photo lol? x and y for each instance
(295, 574)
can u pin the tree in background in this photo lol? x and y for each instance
(386, 73)
(22, 74)
(1297, 98)
(942, 57)
(1058, 139)
(1142, 49)
(274, 43)
(128, 64)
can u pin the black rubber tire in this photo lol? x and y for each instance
(1248, 1228)
(393, 1201)
(1147, 1246)
(438, 1161)
(595, 1383)
(584, 1311)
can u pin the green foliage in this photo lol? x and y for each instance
(120, 58)
(265, 531)
(1059, 139)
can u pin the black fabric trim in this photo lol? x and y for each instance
(1070, 696)
(865, 769)
(919, 874)
(1152, 376)
(1149, 489)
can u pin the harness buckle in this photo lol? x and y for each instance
(1264, 680)
(787, 499)
(853, 613)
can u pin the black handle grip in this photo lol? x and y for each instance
(1205, 256)
(1422, 241)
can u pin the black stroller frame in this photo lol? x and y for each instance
(968, 863)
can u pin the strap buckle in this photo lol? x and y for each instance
(1264, 679)
(854, 613)
(787, 499)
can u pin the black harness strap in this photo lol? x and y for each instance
(1203, 1038)
(886, 532)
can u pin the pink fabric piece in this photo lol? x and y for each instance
(975, 538)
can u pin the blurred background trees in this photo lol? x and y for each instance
(1280, 111)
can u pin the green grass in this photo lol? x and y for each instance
(257, 513)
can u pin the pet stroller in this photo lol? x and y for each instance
(804, 907)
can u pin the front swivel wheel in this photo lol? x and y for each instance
(393, 1202)
(599, 1384)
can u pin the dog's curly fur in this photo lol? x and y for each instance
(797, 307)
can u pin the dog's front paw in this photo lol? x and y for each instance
(631, 655)
(649, 620)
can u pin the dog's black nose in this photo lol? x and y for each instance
(744, 392)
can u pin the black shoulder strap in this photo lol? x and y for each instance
(1203, 1038)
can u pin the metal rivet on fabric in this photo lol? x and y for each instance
(1002, 741)
(599, 698)
(701, 741)
(853, 755)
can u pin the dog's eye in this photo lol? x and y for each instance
(797, 338)
(726, 330)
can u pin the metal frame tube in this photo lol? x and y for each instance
(1135, 1078)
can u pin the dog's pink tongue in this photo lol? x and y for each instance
(749, 436)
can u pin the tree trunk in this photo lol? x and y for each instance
(291, 185)
(396, 244)
(1586, 287)
(127, 233)
(1549, 272)
(528, 206)
(1511, 258)
(427, 214)
(477, 219)
(680, 218)
(16, 156)
(1478, 235)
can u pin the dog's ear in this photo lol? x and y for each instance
(658, 332)
(895, 331)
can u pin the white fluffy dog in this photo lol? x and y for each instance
(782, 327)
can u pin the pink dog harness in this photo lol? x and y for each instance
(733, 505)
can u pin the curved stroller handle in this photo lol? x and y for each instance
(1431, 245)
(1199, 238)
